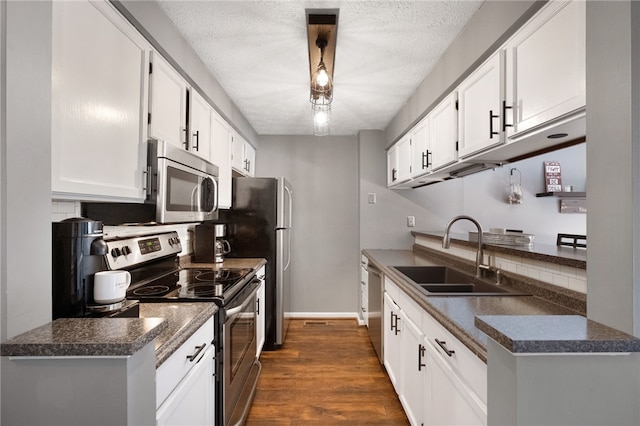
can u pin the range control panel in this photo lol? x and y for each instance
(126, 252)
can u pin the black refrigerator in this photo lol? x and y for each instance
(259, 225)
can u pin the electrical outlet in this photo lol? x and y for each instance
(372, 197)
(411, 221)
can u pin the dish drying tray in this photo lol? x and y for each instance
(506, 238)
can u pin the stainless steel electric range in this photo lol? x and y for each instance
(156, 277)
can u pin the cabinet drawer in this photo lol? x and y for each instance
(393, 290)
(470, 369)
(176, 367)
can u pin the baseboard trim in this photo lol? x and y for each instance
(325, 315)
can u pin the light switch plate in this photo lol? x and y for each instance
(411, 221)
(371, 198)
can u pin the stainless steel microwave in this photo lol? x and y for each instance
(182, 185)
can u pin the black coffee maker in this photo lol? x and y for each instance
(78, 253)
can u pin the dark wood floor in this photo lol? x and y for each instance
(327, 373)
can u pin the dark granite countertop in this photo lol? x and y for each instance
(457, 313)
(183, 319)
(566, 256)
(554, 334)
(86, 337)
(171, 324)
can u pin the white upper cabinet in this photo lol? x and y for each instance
(99, 80)
(199, 125)
(422, 157)
(546, 67)
(243, 156)
(167, 103)
(399, 158)
(480, 107)
(444, 132)
(221, 135)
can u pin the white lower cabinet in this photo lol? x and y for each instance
(392, 340)
(191, 402)
(185, 391)
(439, 381)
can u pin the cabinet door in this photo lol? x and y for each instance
(238, 153)
(192, 402)
(451, 402)
(414, 372)
(99, 74)
(444, 132)
(480, 116)
(546, 66)
(199, 125)
(404, 158)
(422, 155)
(393, 326)
(250, 159)
(392, 165)
(221, 157)
(167, 103)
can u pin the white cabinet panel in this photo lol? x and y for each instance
(199, 125)
(414, 372)
(221, 157)
(444, 132)
(546, 66)
(480, 104)
(422, 156)
(167, 103)
(98, 130)
(192, 402)
(392, 324)
(243, 156)
(451, 402)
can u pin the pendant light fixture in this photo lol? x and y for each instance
(321, 37)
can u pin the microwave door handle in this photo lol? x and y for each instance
(215, 192)
(195, 202)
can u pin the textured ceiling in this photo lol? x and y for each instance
(257, 50)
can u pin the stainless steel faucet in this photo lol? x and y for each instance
(446, 240)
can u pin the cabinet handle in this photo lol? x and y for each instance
(257, 306)
(425, 159)
(197, 352)
(186, 139)
(505, 107)
(491, 117)
(393, 175)
(397, 330)
(443, 345)
(421, 350)
(196, 146)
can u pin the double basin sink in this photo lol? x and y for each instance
(445, 281)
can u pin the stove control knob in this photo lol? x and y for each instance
(126, 250)
(115, 252)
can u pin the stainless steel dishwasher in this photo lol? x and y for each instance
(375, 309)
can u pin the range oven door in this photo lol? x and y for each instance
(239, 353)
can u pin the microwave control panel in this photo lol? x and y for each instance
(126, 252)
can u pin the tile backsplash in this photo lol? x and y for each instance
(61, 210)
(562, 276)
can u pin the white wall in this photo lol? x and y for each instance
(25, 223)
(323, 172)
(484, 196)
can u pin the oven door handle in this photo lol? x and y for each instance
(233, 311)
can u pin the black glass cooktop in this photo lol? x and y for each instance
(189, 284)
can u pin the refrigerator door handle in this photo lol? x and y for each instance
(286, 188)
(288, 250)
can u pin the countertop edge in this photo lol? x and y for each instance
(140, 332)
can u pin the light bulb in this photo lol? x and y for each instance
(323, 77)
(321, 117)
